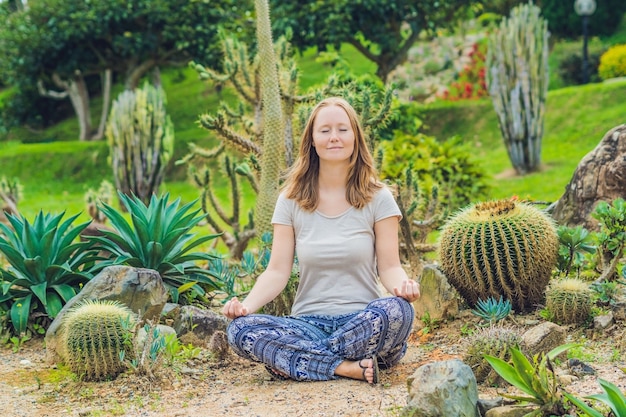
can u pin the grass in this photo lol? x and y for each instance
(56, 174)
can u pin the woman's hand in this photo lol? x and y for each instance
(234, 308)
(410, 290)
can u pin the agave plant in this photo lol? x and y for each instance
(158, 237)
(536, 379)
(46, 261)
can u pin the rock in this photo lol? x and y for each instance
(444, 388)
(438, 298)
(202, 323)
(603, 322)
(600, 176)
(543, 337)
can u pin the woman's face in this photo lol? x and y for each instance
(333, 136)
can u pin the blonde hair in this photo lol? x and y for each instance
(302, 180)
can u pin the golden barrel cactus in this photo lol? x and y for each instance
(499, 248)
(569, 301)
(93, 337)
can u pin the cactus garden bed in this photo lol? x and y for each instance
(203, 386)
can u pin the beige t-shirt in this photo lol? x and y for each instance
(336, 254)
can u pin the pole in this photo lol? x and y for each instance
(585, 55)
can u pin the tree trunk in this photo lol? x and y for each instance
(600, 176)
(106, 103)
(76, 89)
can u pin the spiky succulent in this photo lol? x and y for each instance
(92, 338)
(494, 340)
(569, 300)
(499, 248)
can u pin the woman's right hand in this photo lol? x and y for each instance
(234, 308)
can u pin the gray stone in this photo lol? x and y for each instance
(603, 322)
(444, 388)
(543, 338)
(438, 298)
(203, 323)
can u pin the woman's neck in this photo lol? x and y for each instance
(333, 177)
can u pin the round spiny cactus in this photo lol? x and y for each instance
(495, 341)
(94, 334)
(569, 300)
(499, 248)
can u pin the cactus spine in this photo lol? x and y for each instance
(93, 336)
(499, 248)
(517, 79)
(495, 341)
(569, 301)
(141, 141)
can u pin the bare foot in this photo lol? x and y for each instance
(365, 369)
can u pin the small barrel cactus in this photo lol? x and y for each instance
(495, 341)
(93, 337)
(499, 248)
(569, 301)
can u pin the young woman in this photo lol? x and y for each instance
(342, 223)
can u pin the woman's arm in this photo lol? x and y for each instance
(390, 271)
(273, 280)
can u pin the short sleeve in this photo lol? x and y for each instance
(283, 211)
(385, 205)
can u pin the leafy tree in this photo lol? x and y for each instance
(59, 44)
(382, 30)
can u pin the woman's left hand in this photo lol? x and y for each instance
(410, 290)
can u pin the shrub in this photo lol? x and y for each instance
(613, 63)
(448, 165)
(570, 68)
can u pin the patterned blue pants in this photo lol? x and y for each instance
(309, 348)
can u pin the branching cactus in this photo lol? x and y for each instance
(499, 248)
(242, 150)
(517, 79)
(141, 141)
(569, 301)
(93, 339)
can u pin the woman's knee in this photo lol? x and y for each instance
(394, 307)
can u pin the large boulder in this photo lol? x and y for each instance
(600, 176)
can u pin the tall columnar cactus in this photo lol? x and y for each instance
(272, 119)
(93, 335)
(517, 79)
(569, 301)
(499, 248)
(141, 141)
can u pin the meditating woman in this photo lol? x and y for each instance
(342, 224)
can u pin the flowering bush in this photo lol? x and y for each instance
(613, 62)
(470, 82)
(432, 66)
